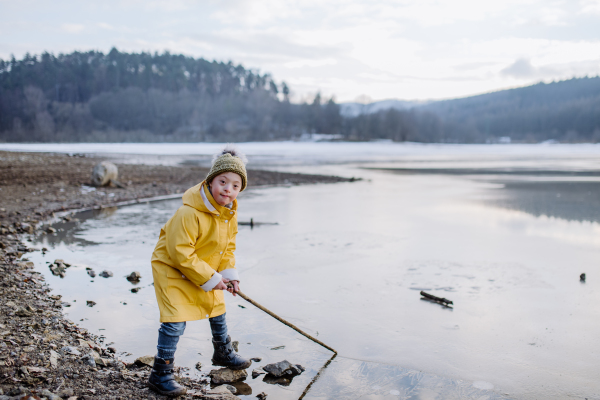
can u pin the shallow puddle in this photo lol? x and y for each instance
(346, 263)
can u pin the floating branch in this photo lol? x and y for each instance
(436, 299)
(252, 224)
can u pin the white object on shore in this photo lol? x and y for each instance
(105, 173)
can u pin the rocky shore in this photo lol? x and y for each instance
(42, 354)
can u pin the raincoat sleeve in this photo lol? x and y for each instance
(227, 266)
(183, 232)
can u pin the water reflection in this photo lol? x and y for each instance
(346, 264)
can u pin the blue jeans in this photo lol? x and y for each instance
(169, 333)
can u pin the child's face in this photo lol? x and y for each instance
(225, 187)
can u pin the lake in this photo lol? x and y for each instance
(502, 231)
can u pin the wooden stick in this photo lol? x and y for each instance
(435, 298)
(317, 376)
(283, 321)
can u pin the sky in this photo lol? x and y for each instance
(352, 50)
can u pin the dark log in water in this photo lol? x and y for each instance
(435, 298)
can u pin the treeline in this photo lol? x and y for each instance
(123, 97)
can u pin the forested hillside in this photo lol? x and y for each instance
(91, 96)
(566, 111)
(148, 97)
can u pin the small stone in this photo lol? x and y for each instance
(226, 375)
(27, 228)
(135, 276)
(135, 290)
(198, 365)
(222, 389)
(50, 230)
(111, 350)
(22, 312)
(49, 395)
(144, 361)
(54, 356)
(582, 277)
(235, 344)
(70, 350)
(256, 359)
(91, 273)
(90, 303)
(106, 274)
(102, 362)
(66, 393)
(283, 368)
(88, 359)
(257, 372)
(17, 391)
(261, 396)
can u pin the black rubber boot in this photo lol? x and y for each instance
(161, 378)
(225, 356)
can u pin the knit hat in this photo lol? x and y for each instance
(229, 160)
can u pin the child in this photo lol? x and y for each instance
(192, 263)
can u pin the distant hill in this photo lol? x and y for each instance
(567, 110)
(564, 111)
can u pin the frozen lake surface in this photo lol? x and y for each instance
(347, 261)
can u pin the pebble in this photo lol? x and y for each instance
(106, 274)
(135, 276)
(257, 372)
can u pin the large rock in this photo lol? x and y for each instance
(104, 173)
(226, 375)
(284, 368)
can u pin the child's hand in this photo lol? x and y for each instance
(221, 285)
(235, 287)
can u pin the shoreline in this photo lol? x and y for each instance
(41, 352)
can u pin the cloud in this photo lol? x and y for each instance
(104, 25)
(521, 68)
(72, 28)
(395, 48)
(590, 6)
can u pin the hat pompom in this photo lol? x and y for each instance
(232, 150)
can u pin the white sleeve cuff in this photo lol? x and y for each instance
(230, 274)
(212, 282)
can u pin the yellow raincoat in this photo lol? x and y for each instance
(194, 250)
